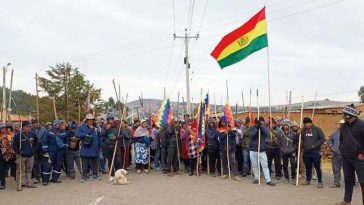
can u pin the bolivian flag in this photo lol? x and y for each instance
(243, 41)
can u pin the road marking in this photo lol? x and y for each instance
(98, 200)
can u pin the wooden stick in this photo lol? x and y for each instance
(37, 98)
(299, 146)
(259, 139)
(197, 165)
(289, 105)
(242, 97)
(314, 106)
(269, 97)
(54, 108)
(20, 160)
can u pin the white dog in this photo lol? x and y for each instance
(120, 177)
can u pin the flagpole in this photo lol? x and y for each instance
(221, 168)
(242, 97)
(269, 97)
(259, 136)
(227, 136)
(299, 146)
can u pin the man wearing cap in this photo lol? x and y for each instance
(25, 144)
(73, 151)
(124, 143)
(352, 150)
(39, 130)
(172, 156)
(90, 146)
(53, 147)
(312, 139)
(238, 148)
(336, 159)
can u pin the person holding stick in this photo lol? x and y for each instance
(253, 132)
(273, 150)
(212, 147)
(124, 144)
(245, 148)
(90, 146)
(111, 139)
(352, 150)
(172, 156)
(39, 130)
(24, 144)
(312, 139)
(224, 132)
(7, 156)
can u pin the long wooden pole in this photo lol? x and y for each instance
(227, 137)
(314, 106)
(4, 110)
(259, 138)
(289, 105)
(54, 108)
(37, 92)
(299, 145)
(10, 95)
(20, 160)
(177, 138)
(242, 97)
(269, 95)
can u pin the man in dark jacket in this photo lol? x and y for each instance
(257, 150)
(26, 148)
(272, 150)
(172, 156)
(73, 151)
(39, 130)
(352, 150)
(124, 143)
(312, 139)
(227, 144)
(287, 143)
(212, 147)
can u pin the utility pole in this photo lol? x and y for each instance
(186, 39)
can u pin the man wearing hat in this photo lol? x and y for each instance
(111, 136)
(312, 139)
(336, 159)
(90, 146)
(352, 150)
(53, 147)
(73, 151)
(25, 144)
(273, 151)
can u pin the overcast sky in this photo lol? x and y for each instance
(313, 45)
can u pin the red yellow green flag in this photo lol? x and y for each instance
(243, 41)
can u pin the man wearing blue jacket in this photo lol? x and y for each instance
(26, 149)
(90, 147)
(54, 147)
(253, 132)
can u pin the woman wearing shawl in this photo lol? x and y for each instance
(142, 141)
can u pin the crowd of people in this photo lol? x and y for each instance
(249, 147)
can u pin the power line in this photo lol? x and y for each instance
(203, 16)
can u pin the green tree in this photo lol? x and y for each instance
(70, 89)
(361, 94)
